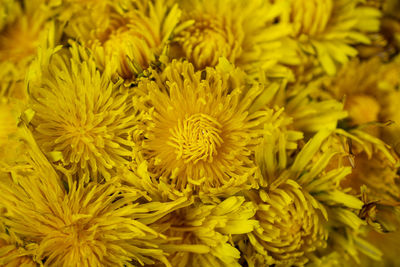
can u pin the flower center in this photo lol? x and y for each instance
(196, 138)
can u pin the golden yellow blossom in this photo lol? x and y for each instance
(82, 119)
(357, 84)
(318, 173)
(244, 32)
(331, 167)
(363, 79)
(328, 28)
(28, 26)
(198, 132)
(369, 91)
(83, 225)
(318, 177)
(21, 35)
(380, 179)
(290, 226)
(129, 35)
(201, 234)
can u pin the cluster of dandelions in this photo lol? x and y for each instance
(199, 133)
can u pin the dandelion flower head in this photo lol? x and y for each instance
(199, 133)
(128, 36)
(200, 234)
(82, 117)
(290, 226)
(328, 29)
(244, 32)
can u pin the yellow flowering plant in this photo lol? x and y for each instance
(199, 133)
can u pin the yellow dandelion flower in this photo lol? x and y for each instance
(292, 223)
(129, 35)
(200, 235)
(198, 132)
(328, 28)
(72, 223)
(290, 226)
(357, 84)
(92, 225)
(360, 84)
(315, 106)
(319, 173)
(369, 94)
(244, 32)
(83, 115)
(326, 164)
(23, 159)
(20, 39)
